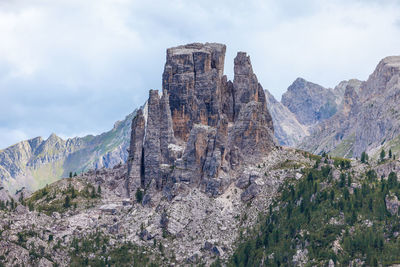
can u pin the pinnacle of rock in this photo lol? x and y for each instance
(201, 127)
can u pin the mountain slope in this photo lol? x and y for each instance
(34, 163)
(288, 130)
(310, 102)
(304, 106)
(369, 118)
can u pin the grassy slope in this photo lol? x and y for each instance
(345, 148)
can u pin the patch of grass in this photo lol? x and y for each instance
(288, 164)
(345, 148)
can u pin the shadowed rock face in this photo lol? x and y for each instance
(202, 128)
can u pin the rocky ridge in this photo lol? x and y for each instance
(25, 165)
(310, 102)
(368, 119)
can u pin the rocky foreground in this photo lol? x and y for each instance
(191, 228)
(88, 220)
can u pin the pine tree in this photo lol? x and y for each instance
(70, 174)
(93, 194)
(342, 164)
(30, 206)
(73, 194)
(364, 157)
(67, 202)
(390, 153)
(139, 195)
(99, 189)
(12, 204)
(332, 195)
(342, 180)
(392, 180)
(370, 204)
(383, 154)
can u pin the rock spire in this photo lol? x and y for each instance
(202, 128)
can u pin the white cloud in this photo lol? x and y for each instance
(71, 66)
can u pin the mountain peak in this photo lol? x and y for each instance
(303, 84)
(393, 61)
(53, 136)
(197, 56)
(202, 127)
(387, 66)
(387, 71)
(300, 80)
(310, 102)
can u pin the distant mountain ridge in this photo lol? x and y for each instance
(303, 107)
(36, 162)
(368, 119)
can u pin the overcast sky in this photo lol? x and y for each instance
(74, 67)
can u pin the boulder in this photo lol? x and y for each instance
(392, 204)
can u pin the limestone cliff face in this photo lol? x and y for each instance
(192, 77)
(202, 128)
(369, 117)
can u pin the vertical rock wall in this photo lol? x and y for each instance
(202, 128)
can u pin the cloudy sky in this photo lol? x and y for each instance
(74, 67)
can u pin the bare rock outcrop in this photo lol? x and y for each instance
(310, 102)
(135, 164)
(197, 133)
(392, 204)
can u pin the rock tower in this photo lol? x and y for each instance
(202, 128)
